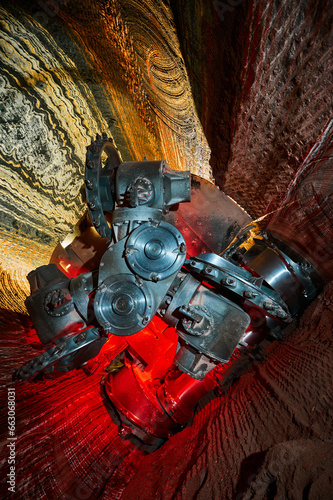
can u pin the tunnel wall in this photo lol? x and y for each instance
(236, 91)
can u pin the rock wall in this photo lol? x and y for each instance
(260, 73)
(267, 434)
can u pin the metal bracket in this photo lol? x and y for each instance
(218, 271)
(64, 348)
(97, 181)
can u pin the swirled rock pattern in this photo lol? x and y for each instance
(46, 121)
(45, 127)
(118, 76)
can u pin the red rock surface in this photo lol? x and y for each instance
(260, 73)
(269, 430)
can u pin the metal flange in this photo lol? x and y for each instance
(155, 250)
(239, 282)
(64, 348)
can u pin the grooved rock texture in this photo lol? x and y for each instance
(268, 437)
(285, 101)
(262, 86)
(268, 431)
(239, 91)
(305, 218)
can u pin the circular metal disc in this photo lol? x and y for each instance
(154, 251)
(122, 306)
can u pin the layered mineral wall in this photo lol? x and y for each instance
(248, 81)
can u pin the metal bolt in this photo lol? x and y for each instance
(208, 270)
(80, 338)
(125, 431)
(138, 281)
(90, 184)
(228, 281)
(268, 304)
(59, 348)
(249, 294)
